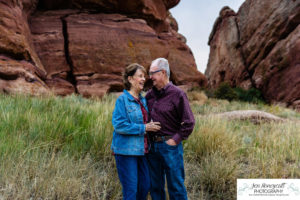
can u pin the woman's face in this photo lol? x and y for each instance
(137, 81)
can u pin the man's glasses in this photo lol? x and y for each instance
(151, 73)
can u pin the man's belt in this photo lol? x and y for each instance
(160, 138)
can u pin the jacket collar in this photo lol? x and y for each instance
(130, 97)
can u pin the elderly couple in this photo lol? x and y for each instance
(148, 132)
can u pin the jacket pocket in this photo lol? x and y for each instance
(134, 113)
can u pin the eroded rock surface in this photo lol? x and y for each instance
(82, 46)
(258, 47)
(20, 67)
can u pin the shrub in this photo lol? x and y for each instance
(224, 91)
(252, 95)
(210, 93)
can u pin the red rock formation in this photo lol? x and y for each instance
(77, 46)
(153, 11)
(226, 59)
(18, 59)
(48, 38)
(258, 47)
(20, 77)
(101, 45)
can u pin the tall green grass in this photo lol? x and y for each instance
(56, 148)
(72, 125)
(59, 148)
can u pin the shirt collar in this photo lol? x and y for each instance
(162, 91)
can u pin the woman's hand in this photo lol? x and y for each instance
(153, 126)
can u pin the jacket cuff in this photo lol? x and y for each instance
(143, 129)
(177, 138)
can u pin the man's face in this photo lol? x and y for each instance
(157, 76)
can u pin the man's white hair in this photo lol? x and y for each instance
(163, 64)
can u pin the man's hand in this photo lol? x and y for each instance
(171, 142)
(153, 126)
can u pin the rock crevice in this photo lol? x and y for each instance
(70, 75)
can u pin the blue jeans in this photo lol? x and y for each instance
(166, 161)
(134, 176)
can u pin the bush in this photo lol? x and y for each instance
(252, 95)
(224, 91)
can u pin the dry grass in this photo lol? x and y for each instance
(219, 151)
(197, 97)
(56, 176)
(59, 148)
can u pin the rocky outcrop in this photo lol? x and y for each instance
(258, 47)
(20, 67)
(20, 77)
(47, 32)
(226, 61)
(82, 46)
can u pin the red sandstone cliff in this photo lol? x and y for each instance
(258, 47)
(82, 46)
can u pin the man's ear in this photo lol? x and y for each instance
(165, 73)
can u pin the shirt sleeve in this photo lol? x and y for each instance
(121, 122)
(187, 120)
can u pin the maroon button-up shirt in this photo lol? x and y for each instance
(145, 116)
(171, 108)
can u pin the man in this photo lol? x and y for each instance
(168, 105)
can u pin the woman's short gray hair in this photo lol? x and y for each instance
(162, 63)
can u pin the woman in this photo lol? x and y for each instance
(129, 142)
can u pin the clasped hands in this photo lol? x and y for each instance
(154, 127)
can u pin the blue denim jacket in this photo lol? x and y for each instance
(129, 128)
